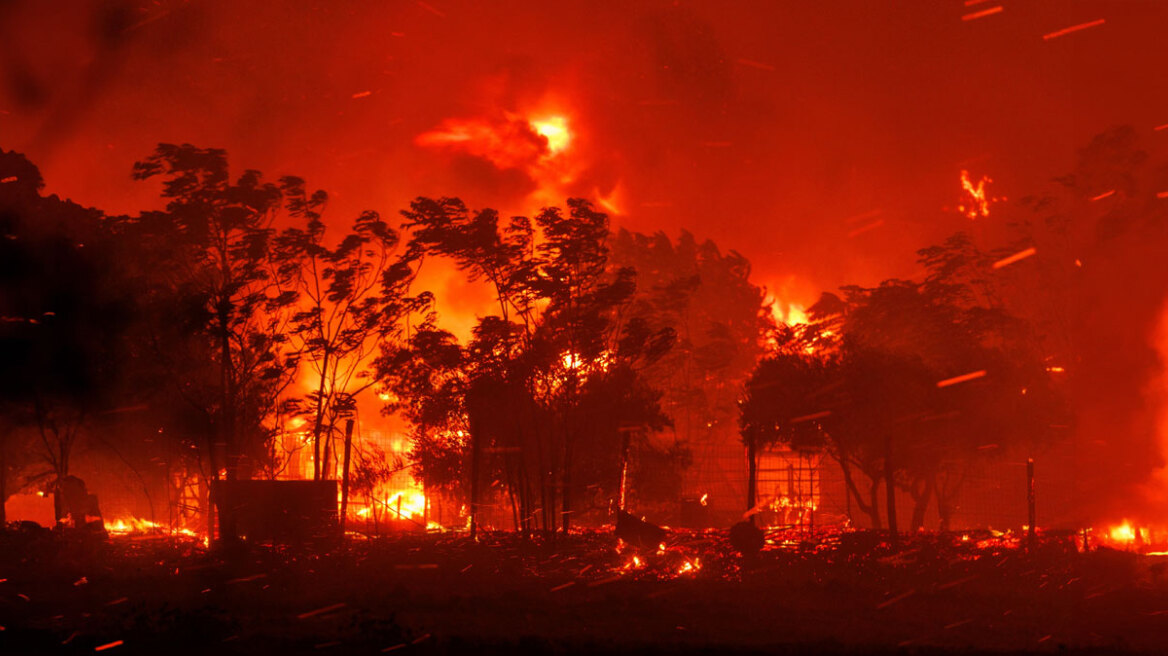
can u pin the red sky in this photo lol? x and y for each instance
(762, 125)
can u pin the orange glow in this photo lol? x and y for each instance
(791, 314)
(635, 563)
(539, 144)
(555, 130)
(136, 526)
(1123, 534)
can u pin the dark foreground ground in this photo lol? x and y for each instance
(443, 594)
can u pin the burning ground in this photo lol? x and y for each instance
(829, 592)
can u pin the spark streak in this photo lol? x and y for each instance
(816, 415)
(1073, 28)
(962, 378)
(756, 64)
(865, 228)
(984, 12)
(1103, 195)
(1020, 255)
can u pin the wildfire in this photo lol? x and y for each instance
(793, 314)
(555, 130)
(577, 363)
(1144, 539)
(137, 526)
(1122, 534)
(539, 144)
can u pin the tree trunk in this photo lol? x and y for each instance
(569, 442)
(511, 487)
(319, 422)
(873, 509)
(566, 513)
(945, 512)
(890, 493)
(345, 475)
(921, 505)
(1031, 529)
(3, 480)
(624, 467)
(474, 477)
(227, 400)
(751, 478)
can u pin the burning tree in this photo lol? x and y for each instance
(518, 390)
(221, 233)
(908, 383)
(706, 297)
(352, 298)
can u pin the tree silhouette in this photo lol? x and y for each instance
(525, 374)
(352, 297)
(66, 311)
(221, 235)
(718, 315)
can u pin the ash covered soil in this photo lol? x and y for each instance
(839, 593)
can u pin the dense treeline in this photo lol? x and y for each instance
(201, 326)
(191, 341)
(1010, 343)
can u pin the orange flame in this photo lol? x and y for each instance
(1122, 534)
(540, 144)
(975, 202)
